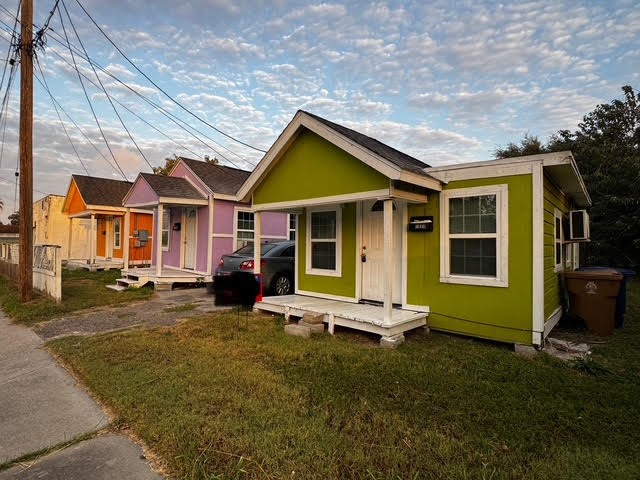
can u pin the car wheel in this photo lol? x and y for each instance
(282, 285)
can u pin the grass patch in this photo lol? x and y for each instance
(186, 307)
(217, 402)
(81, 289)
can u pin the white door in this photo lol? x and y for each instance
(372, 253)
(190, 236)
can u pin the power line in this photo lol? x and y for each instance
(39, 38)
(161, 89)
(103, 89)
(87, 97)
(46, 86)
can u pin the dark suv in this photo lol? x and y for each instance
(276, 266)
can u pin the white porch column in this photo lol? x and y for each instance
(125, 236)
(94, 239)
(388, 259)
(257, 233)
(210, 237)
(158, 239)
(70, 238)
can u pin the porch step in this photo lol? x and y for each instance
(117, 288)
(129, 282)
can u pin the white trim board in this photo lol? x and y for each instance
(319, 201)
(537, 279)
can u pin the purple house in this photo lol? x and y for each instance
(197, 218)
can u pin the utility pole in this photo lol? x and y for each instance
(25, 259)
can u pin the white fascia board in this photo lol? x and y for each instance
(225, 196)
(545, 157)
(182, 201)
(104, 208)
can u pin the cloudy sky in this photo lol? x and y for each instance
(445, 81)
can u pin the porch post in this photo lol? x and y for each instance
(257, 233)
(124, 235)
(388, 259)
(94, 239)
(210, 238)
(70, 237)
(158, 240)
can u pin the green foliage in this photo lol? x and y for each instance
(606, 147)
(217, 401)
(14, 218)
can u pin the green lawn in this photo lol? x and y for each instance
(81, 289)
(217, 401)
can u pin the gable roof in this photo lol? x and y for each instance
(388, 161)
(218, 178)
(402, 160)
(175, 187)
(101, 191)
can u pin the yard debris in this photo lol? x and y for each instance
(566, 350)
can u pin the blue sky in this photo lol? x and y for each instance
(444, 81)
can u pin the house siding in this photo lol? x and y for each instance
(313, 168)
(496, 313)
(343, 286)
(140, 221)
(203, 240)
(141, 193)
(553, 199)
(76, 204)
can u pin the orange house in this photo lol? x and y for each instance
(114, 228)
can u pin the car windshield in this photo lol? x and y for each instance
(247, 250)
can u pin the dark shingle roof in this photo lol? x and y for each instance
(402, 160)
(218, 178)
(172, 186)
(101, 191)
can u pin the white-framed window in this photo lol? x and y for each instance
(324, 241)
(474, 236)
(117, 233)
(245, 227)
(166, 229)
(557, 240)
(292, 226)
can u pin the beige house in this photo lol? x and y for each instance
(52, 227)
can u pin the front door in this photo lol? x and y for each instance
(190, 236)
(372, 252)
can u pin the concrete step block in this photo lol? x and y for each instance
(392, 341)
(313, 318)
(117, 288)
(314, 327)
(297, 330)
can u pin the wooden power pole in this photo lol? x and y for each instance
(25, 260)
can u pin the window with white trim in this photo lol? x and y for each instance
(244, 228)
(324, 242)
(117, 233)
(474, 236)
(166, 229)
(292, 226)
(557, 239)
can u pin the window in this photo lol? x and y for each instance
(117, 234)
(166, 228)
(289, 252)
(292, 226)
(324, 246)
(557, 239)
(244, 228)
(474, 236)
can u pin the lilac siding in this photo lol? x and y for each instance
(221, 246)
(141, 193)
(183, 172)
(223, 217)
(171, 257)
(203, 239)
(275, 224)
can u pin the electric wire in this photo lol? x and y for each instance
(39, 38)
(115, 110)
(189, 129)
(87, 97)
(12, 44)
(46, 87)
(161, 89)
(4, 110)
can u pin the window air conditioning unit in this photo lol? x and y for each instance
(578, 225)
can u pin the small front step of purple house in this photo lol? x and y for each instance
(197, 219)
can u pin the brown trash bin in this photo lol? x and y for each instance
(592, 297)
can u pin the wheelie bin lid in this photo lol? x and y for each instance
(595, 274)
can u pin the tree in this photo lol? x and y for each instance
(14, 218)
(528, 146)
(606, 147)
(170, 162)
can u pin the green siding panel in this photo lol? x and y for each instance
(503, 314)
(344, 286)
(311, 168)
(553, 198)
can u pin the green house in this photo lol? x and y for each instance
(386, 244)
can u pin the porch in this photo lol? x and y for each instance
(96, 265)
(165, 278)
(359, 316)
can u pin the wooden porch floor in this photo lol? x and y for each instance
(369, 318)
(168, 276)
(97, 265)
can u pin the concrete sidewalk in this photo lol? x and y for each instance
(40, 403)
